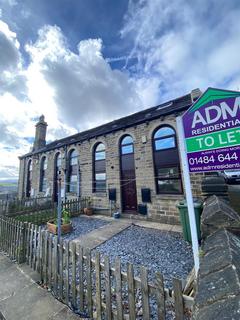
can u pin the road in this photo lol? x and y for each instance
(234, 195)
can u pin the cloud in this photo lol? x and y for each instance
(8, 172)
(185, 45)
(75, 91)
(12, 78)
(86, 90)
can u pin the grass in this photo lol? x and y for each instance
(37, 218)
(8, 184)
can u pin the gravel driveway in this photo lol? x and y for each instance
(157, 250)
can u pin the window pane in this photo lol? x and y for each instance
(73, 184)
(127, 149)
(100, 186)
(100, 176)
(100, 147)
(73, 157)
(30, 165)
(58, 160)
(44, 164)
(127, 140)
(169, 186)
(73, 161)
(44, 185)
(74, 153)
(100, 155)
(172, 172)
(163, 132)
(166, 143)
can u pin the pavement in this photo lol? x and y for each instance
(21, 298)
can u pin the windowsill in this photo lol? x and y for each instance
(71, 194)
(99, 194)
(167, 196)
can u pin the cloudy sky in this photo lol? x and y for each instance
(84, 62)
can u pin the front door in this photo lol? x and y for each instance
(55, 187)
(57, 169)
(128, 177)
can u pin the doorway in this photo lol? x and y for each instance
(128, 177)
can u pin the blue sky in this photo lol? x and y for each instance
(85, 62)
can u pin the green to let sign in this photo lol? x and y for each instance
(215, 140)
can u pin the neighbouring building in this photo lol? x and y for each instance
(133, 160)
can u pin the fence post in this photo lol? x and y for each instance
(131, 291)
(24, 242)
(21, 243)
(160, 296)
(145, 293)
(118, 277)
(178, 299)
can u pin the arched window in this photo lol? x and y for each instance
(58, 160)
(43, 178)
(29, 178)
(73, 171)
(127, 145)
(57, 168)
(166, 161)
(128, 176)
(99, 168)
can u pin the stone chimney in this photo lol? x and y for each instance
(195, 94)
(40, 134)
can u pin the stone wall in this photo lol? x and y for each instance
(218, 283)
(162, 208)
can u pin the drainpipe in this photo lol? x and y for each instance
(65, 174)
(78, 180)
(23, 179)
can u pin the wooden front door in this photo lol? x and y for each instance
(55, 187)
(128, 178)
(57, 168)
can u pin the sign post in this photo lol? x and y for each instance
(188, 191)
(209, 140)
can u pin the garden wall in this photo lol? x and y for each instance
(218, 283)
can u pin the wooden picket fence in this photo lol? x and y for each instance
(18, 206)
(42, 213)
(88, 283)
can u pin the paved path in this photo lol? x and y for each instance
(98, 236)
(22, 299)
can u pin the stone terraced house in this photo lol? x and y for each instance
(134, 161)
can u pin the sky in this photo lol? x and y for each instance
(82, 63)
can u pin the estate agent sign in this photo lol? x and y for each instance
(212, 131)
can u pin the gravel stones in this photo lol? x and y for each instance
(157, 250)
(83, 225)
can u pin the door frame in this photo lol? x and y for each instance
(120, 175)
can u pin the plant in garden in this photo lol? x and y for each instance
(65, 216)
(88, 209)
(66, 225)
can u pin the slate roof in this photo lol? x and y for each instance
(171, 107)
